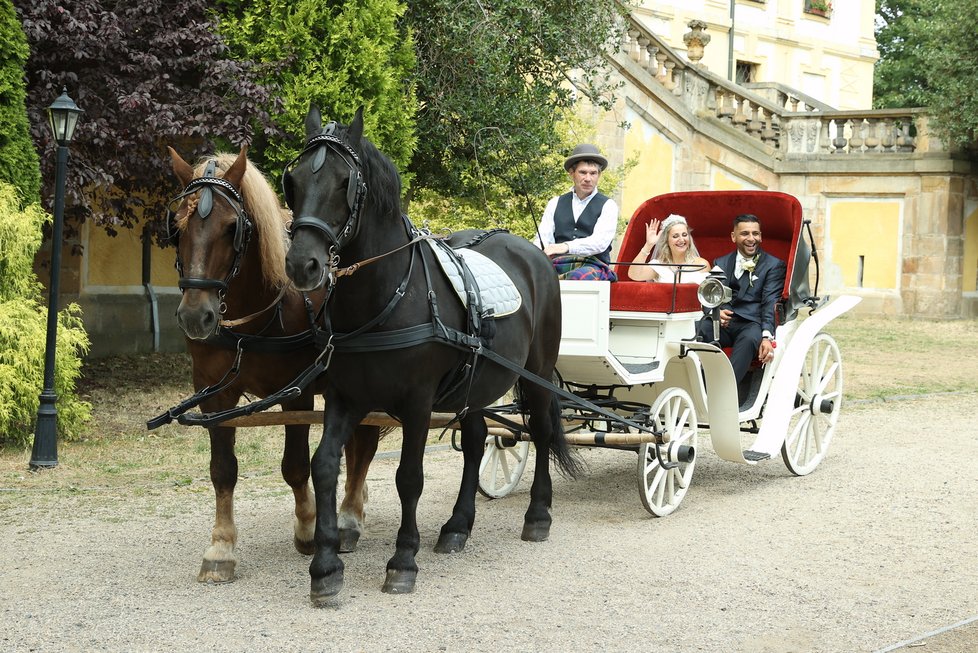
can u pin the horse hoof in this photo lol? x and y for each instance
(535, 532)
(325, 588)
(451, 542)
(399, 581)
(216, 571)
(305, 548)
(348, 540)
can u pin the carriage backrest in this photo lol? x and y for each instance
(710, 216)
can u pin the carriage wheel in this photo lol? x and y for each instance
(502, 465)
(817, 405)
(662, 490)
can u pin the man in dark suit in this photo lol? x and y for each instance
(757, 280)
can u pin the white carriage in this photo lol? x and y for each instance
(631, 348)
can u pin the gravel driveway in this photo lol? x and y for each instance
(872, 551)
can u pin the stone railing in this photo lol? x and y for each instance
(787, 98)
(786, 121)
(883, 131)
(654, 56)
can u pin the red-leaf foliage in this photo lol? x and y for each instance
(147, 74)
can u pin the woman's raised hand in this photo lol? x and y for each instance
(652, 233)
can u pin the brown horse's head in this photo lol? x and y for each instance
(229, 229)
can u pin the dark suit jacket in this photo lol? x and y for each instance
(755, 302)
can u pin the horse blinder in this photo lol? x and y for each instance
(356, 187)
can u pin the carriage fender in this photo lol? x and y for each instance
(781, 400)
(720, 398)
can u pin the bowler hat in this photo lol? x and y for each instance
(585, 152)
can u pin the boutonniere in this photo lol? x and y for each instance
(749, 266)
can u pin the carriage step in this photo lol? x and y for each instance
(639, 368)
(756, 456)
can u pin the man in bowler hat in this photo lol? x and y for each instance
(577, 227)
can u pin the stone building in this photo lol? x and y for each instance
(894, 214)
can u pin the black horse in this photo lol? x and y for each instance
(401, 341)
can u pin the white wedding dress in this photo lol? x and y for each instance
(667, 274)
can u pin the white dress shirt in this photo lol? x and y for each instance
(739, 267)
(604, 229)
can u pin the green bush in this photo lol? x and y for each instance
(337, 55)
(23, 330)
(18, 159)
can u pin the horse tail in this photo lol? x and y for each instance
(569, 464)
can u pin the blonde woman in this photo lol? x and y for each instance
(669, 243)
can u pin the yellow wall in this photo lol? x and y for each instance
(117, 261)
(970, 267)
(724, 180)
(868, 228)
(653, 174)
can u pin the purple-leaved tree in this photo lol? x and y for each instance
(147, 74)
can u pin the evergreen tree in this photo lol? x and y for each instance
(901, 36)
(927, 58)
(495, 80)
(18, 158)
(951, 63)
(336, 55)
(23, 331)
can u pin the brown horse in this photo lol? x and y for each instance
(230, 234)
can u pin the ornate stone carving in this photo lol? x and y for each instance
(696, 40)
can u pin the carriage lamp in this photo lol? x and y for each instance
(63, 117)
(712, 291)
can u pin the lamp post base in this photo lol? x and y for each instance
(45, 451)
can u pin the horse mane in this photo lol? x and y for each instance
(382, 177)
(268, 217)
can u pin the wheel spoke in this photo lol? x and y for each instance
(681, 477)
(658, 487)
(829, 376)
(798, 433)
(504, 465)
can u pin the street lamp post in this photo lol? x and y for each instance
(63, 117)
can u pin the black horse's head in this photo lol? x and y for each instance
(325, 186)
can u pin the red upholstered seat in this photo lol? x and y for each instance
(710, 216)
(654, 297)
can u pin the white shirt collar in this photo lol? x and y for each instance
(586, 199)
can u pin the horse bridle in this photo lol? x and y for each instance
(208, 186)
(356, 189)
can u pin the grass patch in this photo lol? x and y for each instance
(898, 356)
